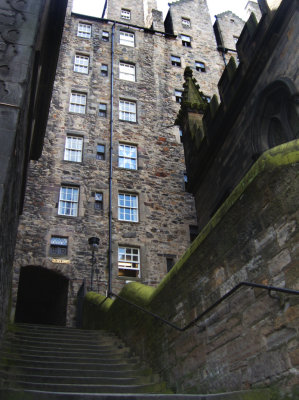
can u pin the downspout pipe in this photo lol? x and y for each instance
(110, 165)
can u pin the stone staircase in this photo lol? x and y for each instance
(40, 362)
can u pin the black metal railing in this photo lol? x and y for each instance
(202, 314)
(80, 298)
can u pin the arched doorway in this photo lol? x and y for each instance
(42, 296)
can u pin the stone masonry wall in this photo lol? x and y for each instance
(165, 209)
(250, 340)
(18, 30)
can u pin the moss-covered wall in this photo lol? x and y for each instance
(251, 339)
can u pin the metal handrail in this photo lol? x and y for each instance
(193, 322)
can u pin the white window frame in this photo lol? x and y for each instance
(186, 40)
(125, 14)
(127, 38)
(127, 156)
(186, 22)
(81, 64)
(84, 30)
(68, 201)
(127, 71)
(176, 61)
(78, 103)
(127, 110)
(128, 207)
(73, 148)
(128, 260)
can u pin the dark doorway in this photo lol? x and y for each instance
(42, 296)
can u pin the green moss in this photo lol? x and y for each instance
(137, 292)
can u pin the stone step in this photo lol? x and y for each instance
(28, 370)
(77, 379)
(59, 329)
(19, 337)
(86, 388)
(99, 351)
(60, 345)
(99, 366)
(14, 394)
(70, 358)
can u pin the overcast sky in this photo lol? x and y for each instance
(94, 7)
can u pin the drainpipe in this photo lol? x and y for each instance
(110, 165)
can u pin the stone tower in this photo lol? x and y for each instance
(113, 164)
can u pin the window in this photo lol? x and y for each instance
(186, 180)
(127, 38)
(98, 201)
(100, 152)
(178, 96)
(128, 262)
(127, 71)
(206, 98)
(125, 14)
(176, 61)
(170, 263)
(103, 110)
(200, 66)
(73, 148)
(127, 110)
(84, 30)
(58, 246)
(181, 135)
(236, 38)
(127, 156)
(68, 201)
(104, 70)
(193, 229)
(81, 64)
(186, 40)
(128, 207)
(105, 36)
(78, 103)
(186, 22)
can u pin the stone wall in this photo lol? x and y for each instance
(250, 340)
(24, 28)
(240, 128)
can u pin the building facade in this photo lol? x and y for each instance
(112, 165)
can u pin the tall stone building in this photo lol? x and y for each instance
(112, 166)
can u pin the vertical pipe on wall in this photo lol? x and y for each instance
(110, 165)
